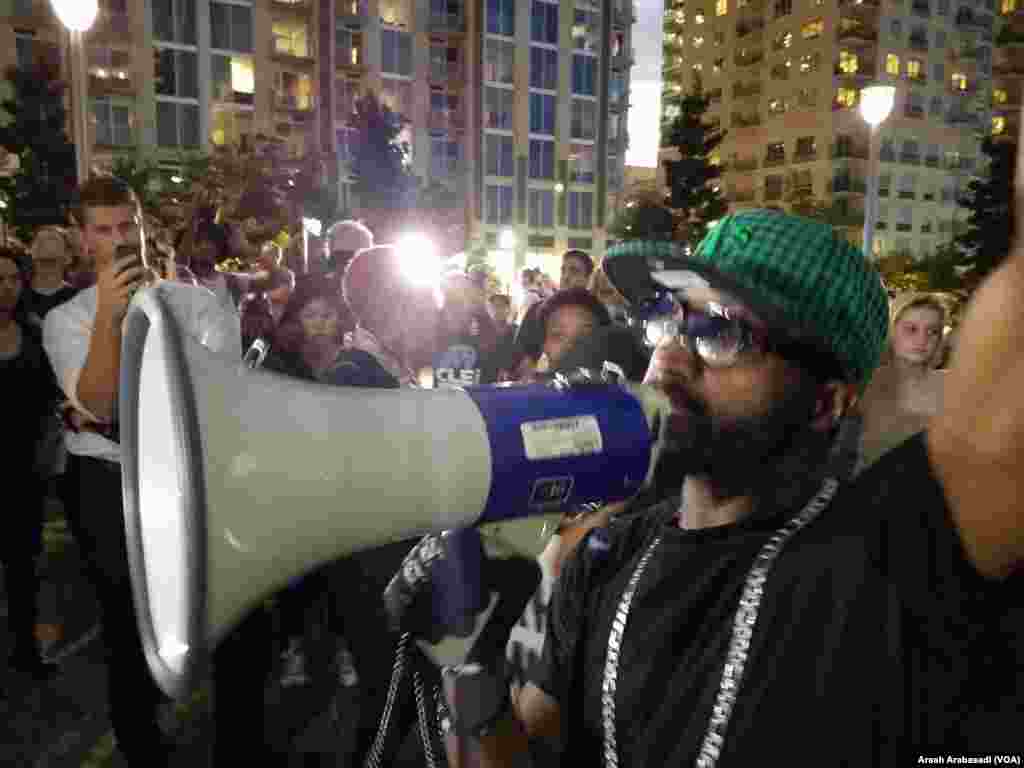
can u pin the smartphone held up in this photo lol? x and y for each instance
(131, 251)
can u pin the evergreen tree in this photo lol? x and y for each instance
(379, 157)
(41, 191)
(645, 218)
(695, 200)
(990, 223)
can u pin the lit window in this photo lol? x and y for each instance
(812, 29)
(698, 41)
(719, 37)
(999, 96)
(714, 159)
(914, 69)
(698, 67)
(782, 40)
(716, 68)
(1009, 6)
(846, 97)
(777, 106)
(721, 7)
(998, 125)
(809, 62)
(848, 63)
(892, 64)
(959, 81)
(698, 18)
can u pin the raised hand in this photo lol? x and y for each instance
(117, 282)
(977, 441)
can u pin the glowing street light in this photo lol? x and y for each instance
(876, 102)
(507, 240)
(78, 16)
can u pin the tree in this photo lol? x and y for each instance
(40, 192)
(695, 200)
(643, 218)
(379, 157)
(989, 234)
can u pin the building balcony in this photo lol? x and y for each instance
(750, 60)
(744, 29)
(624, 60)
(917, 43)
(745, 121)
(111, 28)
(742, 196)
(446, 23)
(444, 119)
(913, 112)
(107, 82)
(862, 7)
(931, 161)
(288, 50)
(903, 226)
(906, 194)
(352, 13)
(887, 157)
(745, 90)
(296, 104)
(926, 229)
(845, 185)
(1008, 61)
(917, 79)
(928, 197)
(961, 118)
(849, 151)
(858, 34)
(292, 5)
(910, 158)
(865, 71)
(805, 157)
(349, 59)
(921, 9)
(743, 164)
(448, 76)
(774, 161)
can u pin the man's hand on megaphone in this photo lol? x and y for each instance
(460, 599)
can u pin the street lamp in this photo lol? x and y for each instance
(876, 103)
(77, 16)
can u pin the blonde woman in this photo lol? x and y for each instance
(52, 255)
(907, 391)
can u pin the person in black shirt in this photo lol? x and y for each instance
(51, 256)
(31, 396)
(577, 267)
(775, 613)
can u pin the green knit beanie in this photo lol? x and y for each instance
(797, 274)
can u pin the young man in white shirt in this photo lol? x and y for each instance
(82, 339)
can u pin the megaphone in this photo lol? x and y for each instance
(238, 481)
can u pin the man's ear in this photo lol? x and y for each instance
(834, 400)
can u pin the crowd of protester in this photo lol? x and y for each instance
(350, 317)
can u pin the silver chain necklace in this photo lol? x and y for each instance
(739, 644)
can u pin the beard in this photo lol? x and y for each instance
(740, 455)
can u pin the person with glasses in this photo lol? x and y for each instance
(773, 611)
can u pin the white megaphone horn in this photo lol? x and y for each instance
(238, 481)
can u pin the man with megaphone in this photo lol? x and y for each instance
(775, 612)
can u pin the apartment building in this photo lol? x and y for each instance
(555, 96)
(784, 78)
(1008, 70)
(518, 106)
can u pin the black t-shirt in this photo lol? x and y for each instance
(31, 393)
(876, 641)
(38, 304)
(530, 336)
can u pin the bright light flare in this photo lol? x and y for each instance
(421, 264)
(76, 15)
(313, 226)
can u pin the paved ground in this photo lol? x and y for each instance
(63, 724)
